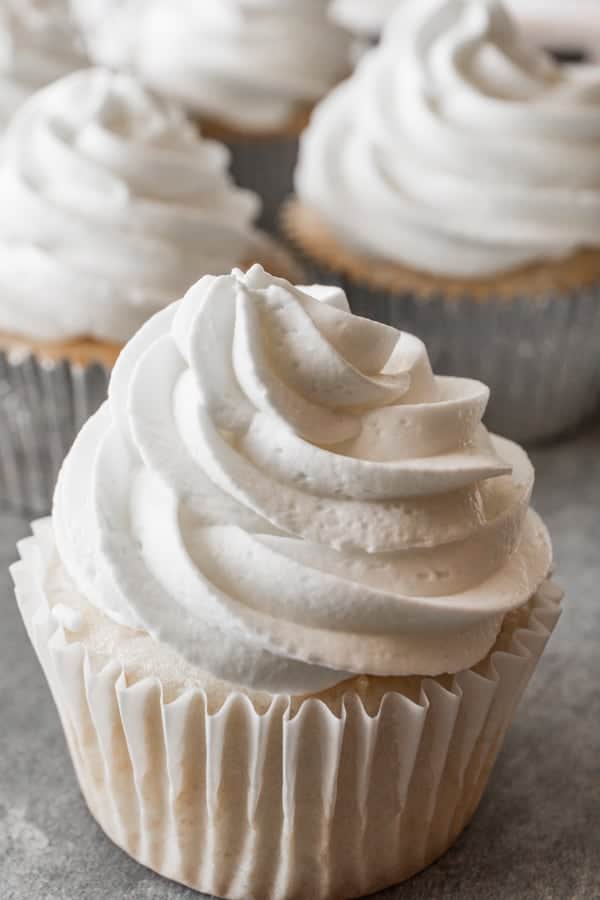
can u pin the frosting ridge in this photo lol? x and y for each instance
(287, 495)
(365, 19)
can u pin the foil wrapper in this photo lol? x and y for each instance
(43, 404)
(266, 166)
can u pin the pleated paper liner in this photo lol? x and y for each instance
(532, 336)
(328, 797)
(47, 391)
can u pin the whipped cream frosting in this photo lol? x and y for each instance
(251, 64)
(38, 44)
(363, 17)
(573, 27)
(112, 204)
(285, 494)
(467, 152)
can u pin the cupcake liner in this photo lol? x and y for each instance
(43, 404)
(538, 354)
(266, 166)
(292, 802)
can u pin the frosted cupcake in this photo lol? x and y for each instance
(289, 596)
(452, 185)
(38, 44)
(112, 204)
(250, 71)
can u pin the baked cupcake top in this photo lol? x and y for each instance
(249, 64)
(38, 44)
(286, 495)
(112, 204)
(455, 149)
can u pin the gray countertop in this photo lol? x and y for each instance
(536, 835)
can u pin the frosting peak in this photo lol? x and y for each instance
(112, 205)
(286, 494)
(467, 151)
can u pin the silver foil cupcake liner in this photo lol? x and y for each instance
(43, 404)
(265, 166)
(540, 357)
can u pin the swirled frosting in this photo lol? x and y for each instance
(112, 204)
(38, 44)
(573, 27)
(285, 494)
(467, 152)
(251, 64)
(362, 18)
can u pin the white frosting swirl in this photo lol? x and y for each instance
(38, 44)
(112, 204)
(363, 18)
(251, 64)
(573, 27)
(466, 152)
(285, 494)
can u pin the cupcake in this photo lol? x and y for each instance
(289, 596)
(452, 186)
(38, 44)
(249, 71)
(112, 204)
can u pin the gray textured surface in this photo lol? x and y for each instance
(536, 835)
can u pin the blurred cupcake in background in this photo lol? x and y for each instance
(571, 31)
(452, 186)
(364, 20)
(112, 204)
(38, 44)
(249, 70)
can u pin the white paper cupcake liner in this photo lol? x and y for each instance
(540, 357)
(43, 404)
(314, 803)
(265, 166)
